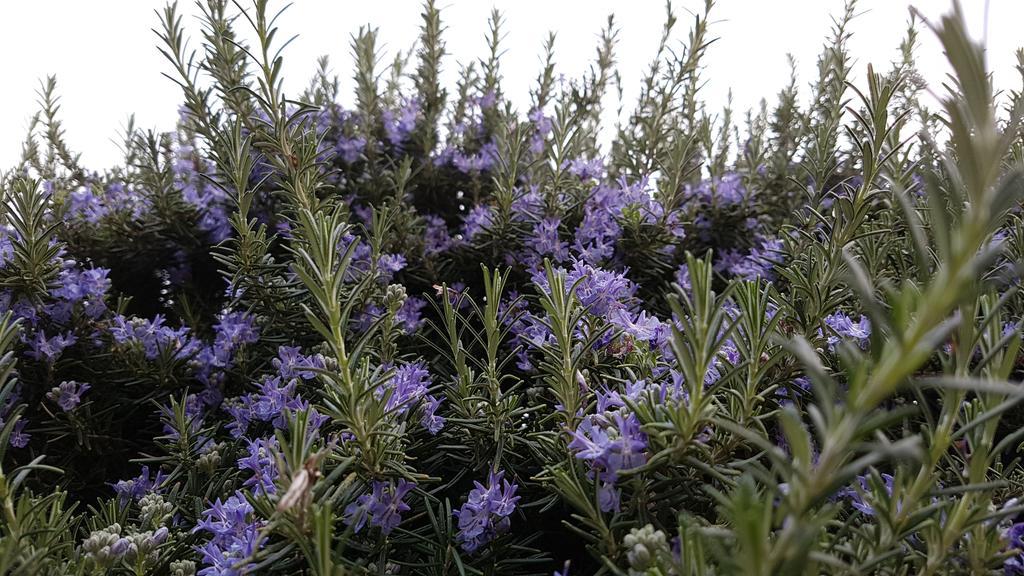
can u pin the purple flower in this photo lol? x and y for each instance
(410, 316)
(50, 349)
(600, 291)
(429, 419)
(639, 326)
(485, 515)
(383, 506)
(349, 149)
(436, 238)
(86, 286)
(543, 125)
(407, 386)
(19, 438)
(152, 336)
(857, 496)
(610, 445)
(235, 536)
(399, 126)
(683, 277)
(275, 398)
(478, 162)
(136, 488)
(209, 201)
(546, 242)
(262, 464)
(232, 330)
(1014, 565)
(477, 220)
(68, 394)
(290, 363)
(799, 386)
(842, 326)
(587, 169)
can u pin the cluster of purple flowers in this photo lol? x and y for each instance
(152, 336)
(50, 349)
(68, 394)
(232, 331)
(276, 395)
(261, 463)
(757, 263)
(398, 125)
(86, 286)
(1014, 565)
(136, 488)
(234, 537)
(610, 442)
(863, 487)
(382, 507)
(722, 190)
(362, 261)
(842, 326)
(409, 386)
(211, 202)
(94, 201)
(486, 513)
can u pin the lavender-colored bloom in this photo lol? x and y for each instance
(209, 201)
(485, 515)
(6, 245)
(399, 126)
(406, 386)
(429, 419)
(758, 263)
(543, 125)
(857, 496)
(232, 330)
(262, 464)
(601, 291)
(388, 265)
(610, 445)
(1010, 328)
(477, 162)
(587, 169)
(83, 203)
(546, 242)
(1014, 565)
(436, 238)
(639, 326)
(476, 221)
(151, 335)
(136, 488)
(235, 536)
(410, 316)
(598, 233)
(50, 349)
(68, 394)
(799, 386)
(609, 497)
(528, 206)
(290, 363)
(683, 277)
(843, 326)
(349, 149)
(382, 507)
(275, 398)
(86, 286)
(19, 438)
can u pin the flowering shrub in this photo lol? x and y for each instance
(433, 334)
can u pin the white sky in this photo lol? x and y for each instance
(105, 59)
